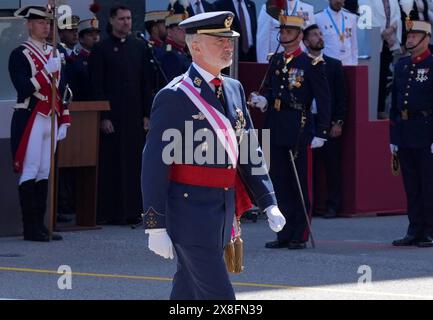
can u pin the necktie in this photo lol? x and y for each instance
(219, 91)
(244, 34)
(387, 7)
(198, 7)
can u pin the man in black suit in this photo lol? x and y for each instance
(194, 7)
(330, 153)
(245, 23)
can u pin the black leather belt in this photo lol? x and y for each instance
(406, 114)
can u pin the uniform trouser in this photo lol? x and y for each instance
(386, 58)
(417, 169)
(36, 164)
(33, 182)
(201, 274)
(287, 192)
(329, 155)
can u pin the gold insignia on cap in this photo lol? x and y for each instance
(229, 21)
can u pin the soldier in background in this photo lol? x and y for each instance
(294, 81)
(68, 34)
(411, 129)
(32, 67)
(175, 59)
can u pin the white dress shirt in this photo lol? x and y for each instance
(347, 50)
(267, 28)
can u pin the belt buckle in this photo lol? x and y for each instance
(405, 115)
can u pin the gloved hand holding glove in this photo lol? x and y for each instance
(61, 134)
(394, 148)
(53, 64)
(276, 219)
(317, 142)
(160, 243)
(258, 101)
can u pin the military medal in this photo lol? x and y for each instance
(277, 104)
(422, 75)
(240, 123)
(343, 25)
(405, 115)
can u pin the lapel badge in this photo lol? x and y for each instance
(197, 81)
(199, 116)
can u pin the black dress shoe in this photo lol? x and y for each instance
(276, 245)
(56, 237)
(61, 218)
(406, 241)
(426, 242)
(331, 214)
(38, 237)
(297, 245)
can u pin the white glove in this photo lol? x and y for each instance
(259, 101)
(317, 143)
(160, 243)
(275, 218)
(61, 134)
(53, 64)
(394, 148)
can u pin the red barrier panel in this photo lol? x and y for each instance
(369, 188)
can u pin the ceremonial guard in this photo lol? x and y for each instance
(175, 59)
(68, 33)
(155, 27)
(294, 80)
(339, 28)
(32, 68)
(77, 68)
(189, 199)
(411, 128)
(267, 30)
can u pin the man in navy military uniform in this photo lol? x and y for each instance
(411, 129)
(175, 59)
(189, 200)
(77, 68)
(32, 68)
(330, 153)
(294, 80)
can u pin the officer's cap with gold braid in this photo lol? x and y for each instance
(175, 19)
(88, 25)
(418, 26)
(156, 16)
(291, 22)
(216, 24)
(34, 12)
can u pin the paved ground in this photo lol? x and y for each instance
(113, 263)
